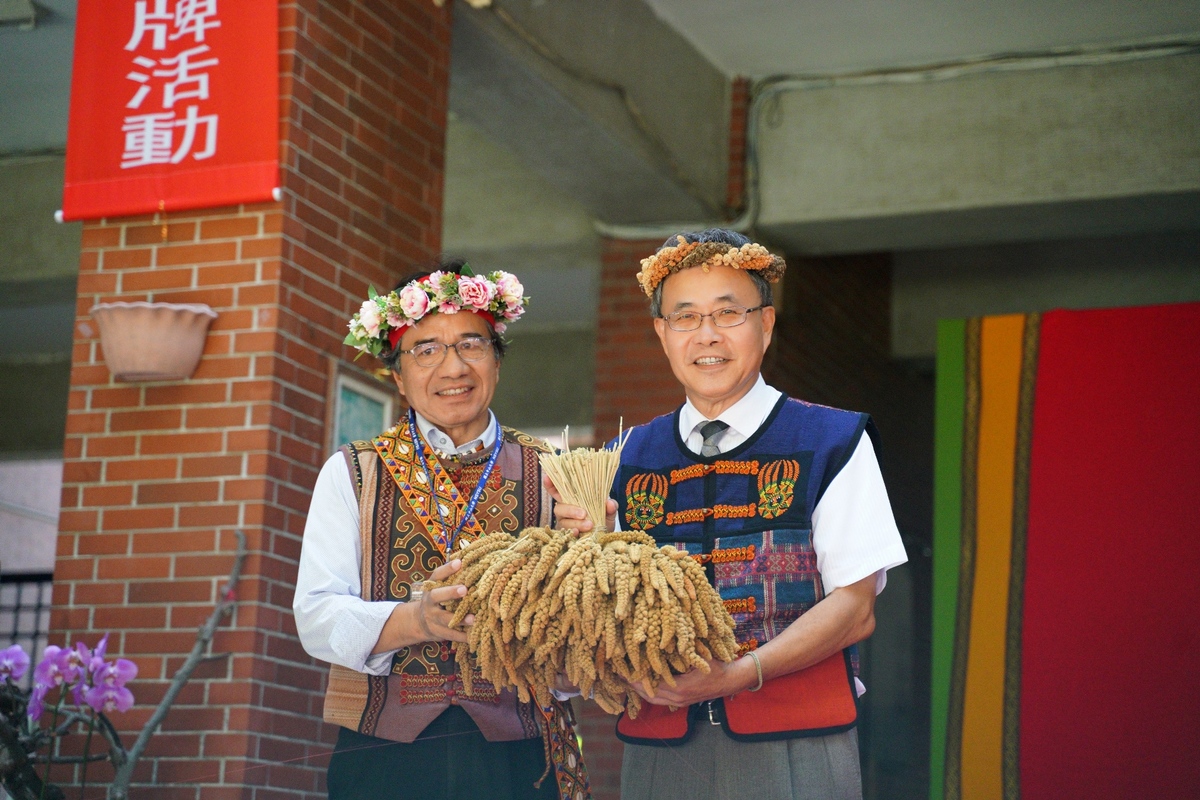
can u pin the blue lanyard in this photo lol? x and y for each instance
(475, 495)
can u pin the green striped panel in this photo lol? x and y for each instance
(947, 529)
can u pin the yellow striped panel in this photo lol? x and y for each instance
(983, 707)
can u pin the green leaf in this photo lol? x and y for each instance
(371, 293)
(466, 271)
(350, 339)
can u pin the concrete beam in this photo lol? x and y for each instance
(35, 80)
(1101, 272)
(541, 79)
(999, 156)
(501, 215)
(35, 247)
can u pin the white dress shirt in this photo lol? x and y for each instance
(334, 622)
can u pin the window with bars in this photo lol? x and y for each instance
(25, 614)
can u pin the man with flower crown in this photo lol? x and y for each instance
(390, 514)
(784, 504)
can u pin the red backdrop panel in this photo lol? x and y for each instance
(174, 105)
(1110, 702)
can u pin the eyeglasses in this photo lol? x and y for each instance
(430, 354)
(728, 317)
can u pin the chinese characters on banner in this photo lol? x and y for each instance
(174, 105)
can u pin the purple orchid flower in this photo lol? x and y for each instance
(117, 673)
(14, 662)
(97, 661)
(50, 670)
(37, 701)
(107, 698)
(76, 662)
(109, 692)
(77, 690)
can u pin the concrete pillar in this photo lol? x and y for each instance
(158, 476)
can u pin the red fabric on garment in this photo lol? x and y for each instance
(820, 698)
(817, 700)
(1110, 704)
(396, 334)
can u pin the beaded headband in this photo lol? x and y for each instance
(685, 255)
(498, 297)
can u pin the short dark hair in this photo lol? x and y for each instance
(724, 236)
(391, 358)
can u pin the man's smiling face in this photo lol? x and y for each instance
(455, 394)
(716, 366)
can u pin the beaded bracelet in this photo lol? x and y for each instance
(757, 669)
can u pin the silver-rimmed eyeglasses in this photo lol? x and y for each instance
(728, 317)
(430, 354)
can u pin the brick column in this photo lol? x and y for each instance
(633, 378)
(158, 476)
(739, 113)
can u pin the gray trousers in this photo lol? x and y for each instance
(712, 766)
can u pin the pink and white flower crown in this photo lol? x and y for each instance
(497, 296)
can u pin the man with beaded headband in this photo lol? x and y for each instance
(387, 515)
(784, 504)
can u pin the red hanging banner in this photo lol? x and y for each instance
(174, 105)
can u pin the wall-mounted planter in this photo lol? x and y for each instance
(152, 341)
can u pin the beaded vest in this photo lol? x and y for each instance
(403, 542)
(747, 515)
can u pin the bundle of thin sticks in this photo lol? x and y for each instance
(606, 610)
(583, 477)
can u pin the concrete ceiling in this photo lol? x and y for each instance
(784, 37)
(35, 80)
(749, 37)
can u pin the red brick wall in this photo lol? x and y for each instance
(832, 339)
(158, 476)
(739, 109)
(630, 363)
(833, 346)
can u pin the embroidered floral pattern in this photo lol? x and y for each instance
(727, 556)
(742, 605)
(647, 494)
(776, 487)
(399, 456)
(436, 688)
(746, 647)
(719, 467)
(719, 511)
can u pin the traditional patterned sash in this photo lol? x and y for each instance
(563, 752)
(399, 455)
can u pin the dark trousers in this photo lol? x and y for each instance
(450, 760)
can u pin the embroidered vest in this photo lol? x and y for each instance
(747, 515)
(402, 543)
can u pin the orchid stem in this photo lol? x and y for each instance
(87, 748)
(62, 696)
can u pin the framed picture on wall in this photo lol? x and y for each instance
(360, 405)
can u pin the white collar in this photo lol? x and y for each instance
(438, 440)
(745, 416)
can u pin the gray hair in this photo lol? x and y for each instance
(764, 293)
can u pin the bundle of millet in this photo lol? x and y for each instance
(605, 609)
